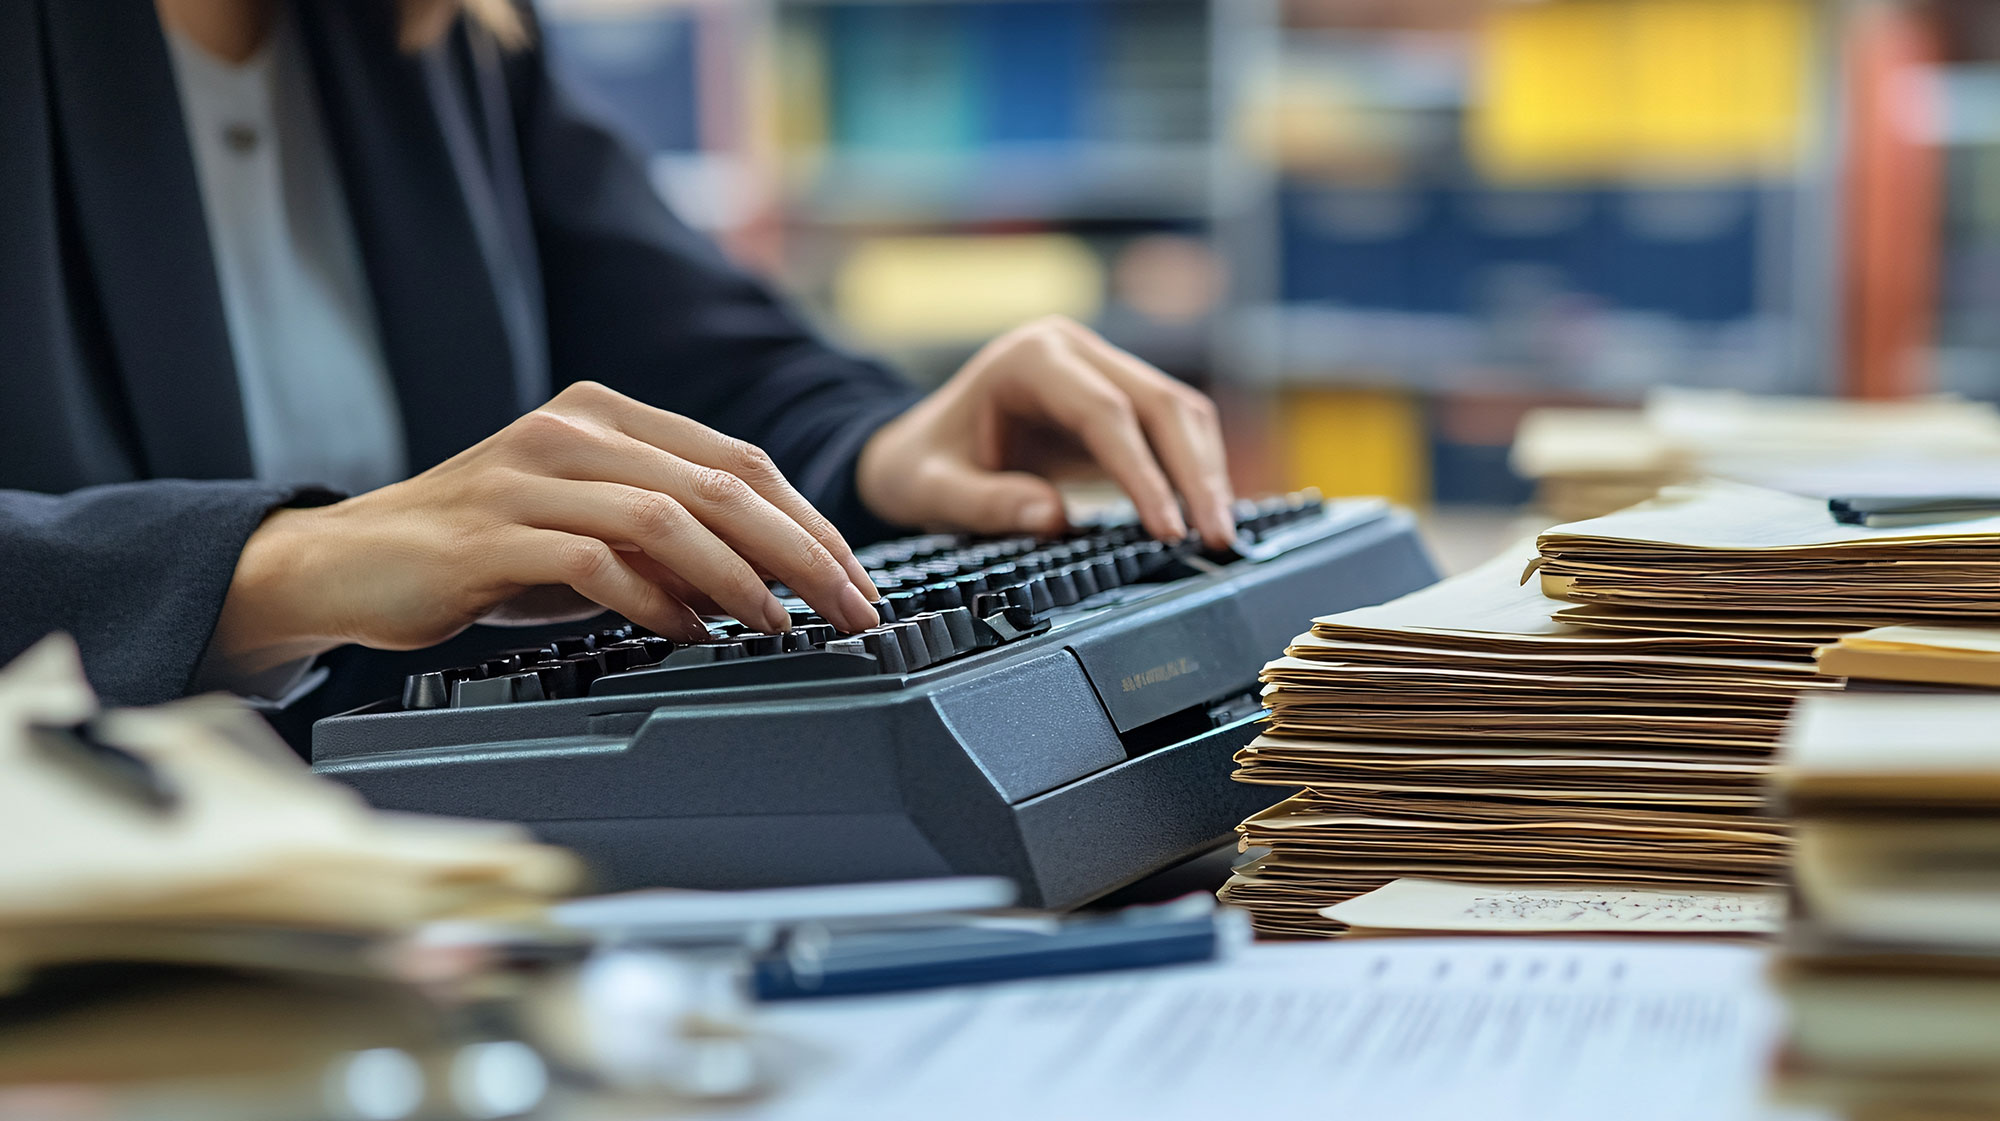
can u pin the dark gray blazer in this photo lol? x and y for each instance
(512, 244)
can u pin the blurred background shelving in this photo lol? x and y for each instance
(1378, 231)
(1965, 126)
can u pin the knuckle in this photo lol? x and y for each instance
(1038, 344)
(1112, 406)
(586, 393)
(582, 560)
(821, 529)
(714, 487)
(540, 433)
(653, 515)
(932, 475)
(817, 561)
(748, 461)
(1195, 405)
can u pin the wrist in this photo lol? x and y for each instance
(886, 470)
(867, 472)
(272, 615)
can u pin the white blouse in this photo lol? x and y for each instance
(317, 398)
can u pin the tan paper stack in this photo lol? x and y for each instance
(239, 855)
(1891, 970)
(1926, 655)
(1463, 733)
(1586, 462)
(1760, 564)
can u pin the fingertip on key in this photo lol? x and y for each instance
(1224, 520)
(1220, 535)
(776, 619)
(857, 614)
(858, 576)
(677, 629)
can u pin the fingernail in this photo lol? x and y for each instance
(856, 610)
(1039, 514)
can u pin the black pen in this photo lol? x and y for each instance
(1883, 511)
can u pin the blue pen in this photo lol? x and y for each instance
(850, 964)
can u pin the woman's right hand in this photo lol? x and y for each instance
(591, 500)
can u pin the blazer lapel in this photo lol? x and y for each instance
(138, 203)
(465, 355)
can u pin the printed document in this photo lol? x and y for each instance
(1392, 1029)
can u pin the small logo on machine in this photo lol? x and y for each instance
(1179, 667)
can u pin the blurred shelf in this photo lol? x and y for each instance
(1608, 353)
(1005, 183)
(1376, 69)
(1385, 260)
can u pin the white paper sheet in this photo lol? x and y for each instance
(1436, 907)
(1410, 1030)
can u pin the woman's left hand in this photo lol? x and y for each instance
(950, 462)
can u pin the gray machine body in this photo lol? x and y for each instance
(1074, 762)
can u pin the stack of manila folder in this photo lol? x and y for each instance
(248, 859)
(1929, 655)
(1891, 959)
(1464, 733)
(1597, 710)
(1756, 563)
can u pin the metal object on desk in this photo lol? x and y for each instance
(752, 918)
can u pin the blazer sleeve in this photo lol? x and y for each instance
(136, 572)
(639, 301)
